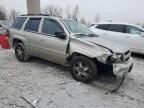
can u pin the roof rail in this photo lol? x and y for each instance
(40, 15)
(35, 15)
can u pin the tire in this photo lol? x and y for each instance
(83, 69)
(20, 52)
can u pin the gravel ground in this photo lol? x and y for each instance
(54, 87)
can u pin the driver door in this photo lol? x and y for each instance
(52, 47)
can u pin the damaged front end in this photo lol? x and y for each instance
(117, 64)
(110, 59)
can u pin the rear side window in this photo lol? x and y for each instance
(103, 26)
(116, 28)
(33, 24)
(133, 30)
(18, 23)
(51, 26)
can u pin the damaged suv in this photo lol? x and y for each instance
(69, 43)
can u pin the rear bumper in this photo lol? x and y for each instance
(122, 69)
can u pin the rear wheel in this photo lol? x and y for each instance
(83, 69)
(20, 52)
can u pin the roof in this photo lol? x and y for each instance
(121, 23)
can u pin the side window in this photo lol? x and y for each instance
(116, 28)
(18, 23)
(33, 24)
(133, 30)
(51, 26)
(103, 26)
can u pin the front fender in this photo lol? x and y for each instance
(89, 51)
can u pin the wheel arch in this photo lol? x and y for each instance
(100, 66)
(75, 54)
(16, 41)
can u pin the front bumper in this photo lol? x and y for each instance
(122, 69)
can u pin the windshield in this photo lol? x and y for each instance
(77, 27)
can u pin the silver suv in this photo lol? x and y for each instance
(69, 43)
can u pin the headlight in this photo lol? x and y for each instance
(115, 58)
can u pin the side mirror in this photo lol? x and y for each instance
(0, 25)
(60, 35)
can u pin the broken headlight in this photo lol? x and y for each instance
(115, 58)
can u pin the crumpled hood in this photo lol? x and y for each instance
(114, 47)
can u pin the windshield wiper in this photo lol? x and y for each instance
(86, 35)
(80, 34)
(92, 35)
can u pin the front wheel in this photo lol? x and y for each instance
(20, 52)
(83, 69)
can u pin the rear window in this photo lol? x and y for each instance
(103, 26)
(33, 24)
(18, 23)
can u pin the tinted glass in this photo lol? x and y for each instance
(51, 26)
(18, 23)
(116, 28)
(103, 26)
(133, 30)
(33, 24)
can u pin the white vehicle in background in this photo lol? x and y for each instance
(129, 35)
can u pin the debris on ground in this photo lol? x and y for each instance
(48, 85)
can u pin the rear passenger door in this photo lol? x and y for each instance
(53, 48)
(32, 36)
